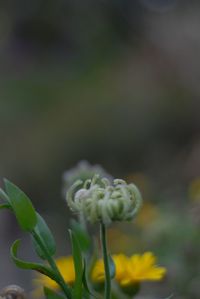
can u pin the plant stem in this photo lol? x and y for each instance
(52, 263)
(106, 261)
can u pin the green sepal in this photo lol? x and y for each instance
(99, 287)
(45, 234)
(21, 206)
(50, 294)
(112, 268)
(131, 290)
(28, 265)
(81, 235)
(78, 265)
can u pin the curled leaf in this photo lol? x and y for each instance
(29, 265)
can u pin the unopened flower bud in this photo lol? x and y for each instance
(99, 200)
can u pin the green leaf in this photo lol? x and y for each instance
(82, 235)
(78, 265)
(111, 267)
(22, 207)
(85, 282)
(28, 265)
(50, 294)
(45, 234)
(5, 206)
(4, 196)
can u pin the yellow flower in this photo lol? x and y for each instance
(130, 271)
(120, 261)
(66, 268)
(141, 268)
(98, 274)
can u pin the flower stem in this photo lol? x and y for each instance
(52, 263)
(106, 261)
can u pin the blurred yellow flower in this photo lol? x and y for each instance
(66, 268)
(131, 270)
(194, 190)
(98, 274)
(121, 263)
(149, 213)
(142, 268)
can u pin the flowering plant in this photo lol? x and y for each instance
(83, 275)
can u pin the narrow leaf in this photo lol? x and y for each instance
(4, 196)
(28, 265)
(78, 265)
(85, 282)
(22, 207)
(45, 234)
(50, 294)
(81, 235)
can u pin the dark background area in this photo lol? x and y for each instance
(112, 82)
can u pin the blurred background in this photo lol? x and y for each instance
(115, 83)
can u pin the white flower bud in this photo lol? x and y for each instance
(105, 202)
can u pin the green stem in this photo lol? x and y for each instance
(82, 221)
(106, 261)
(52, 263)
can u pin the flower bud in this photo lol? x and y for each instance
(99, 200)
